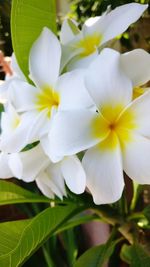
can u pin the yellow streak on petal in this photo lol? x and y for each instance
(89, 44)
(47, 99)
(138, 91)
(110, 142)
(99, 127)
(111, 112)
(15, 122)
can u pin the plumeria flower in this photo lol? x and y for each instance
(50, 93)
(136, 65)
(34, 165)
(117, 136)
(83, 45)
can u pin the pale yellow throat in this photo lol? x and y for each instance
(113, 126)
(89, 44)
(47, 99)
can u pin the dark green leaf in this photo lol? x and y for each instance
(136, 255)
(97, 256)
(146, 212)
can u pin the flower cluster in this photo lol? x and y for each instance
(80, 96)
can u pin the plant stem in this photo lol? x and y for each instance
(47, 257)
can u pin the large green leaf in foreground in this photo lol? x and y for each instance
(28, 17)
(11, 193)
(19, 239)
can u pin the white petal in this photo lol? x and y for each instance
(43, 187)
(140, 108)
(69, 51)
(106, 83)
(136, 65)
(40, 125)
(74, 174)
(44, 59)
(5, 171)
(71, 132)
(55, 179)
(15, 164)
(117, 21)
(73, 93)
(16, 69)
(44, 141)
(4, 88)
(15, 140)
(67, 32)
(33, 161)
(136, 157)
(9, 118)
(22, 95)
(104, 172)
(81, 62)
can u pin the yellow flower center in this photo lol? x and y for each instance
(89, 44)
(47, 99)
(114, 125)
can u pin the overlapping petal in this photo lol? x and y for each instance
(140, 109)
(71, 132)
(106, 83)
(44, 59)
(73, 93)
(103, 167)
(33, 162)
(136, 65)
(68, 31)
(136, 157)
(22, 95)
(73, 174)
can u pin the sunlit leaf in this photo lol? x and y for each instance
(20, 239)
(28, 17)
(11, 193)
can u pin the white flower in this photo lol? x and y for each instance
(52, 92)
(116, 136)
(83, 45)
(34, 165)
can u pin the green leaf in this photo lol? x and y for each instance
(28, 17)
(136, 255)
(97, 256)
(11, 193)
(78, 221)
(20, 239)
(146, 212)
